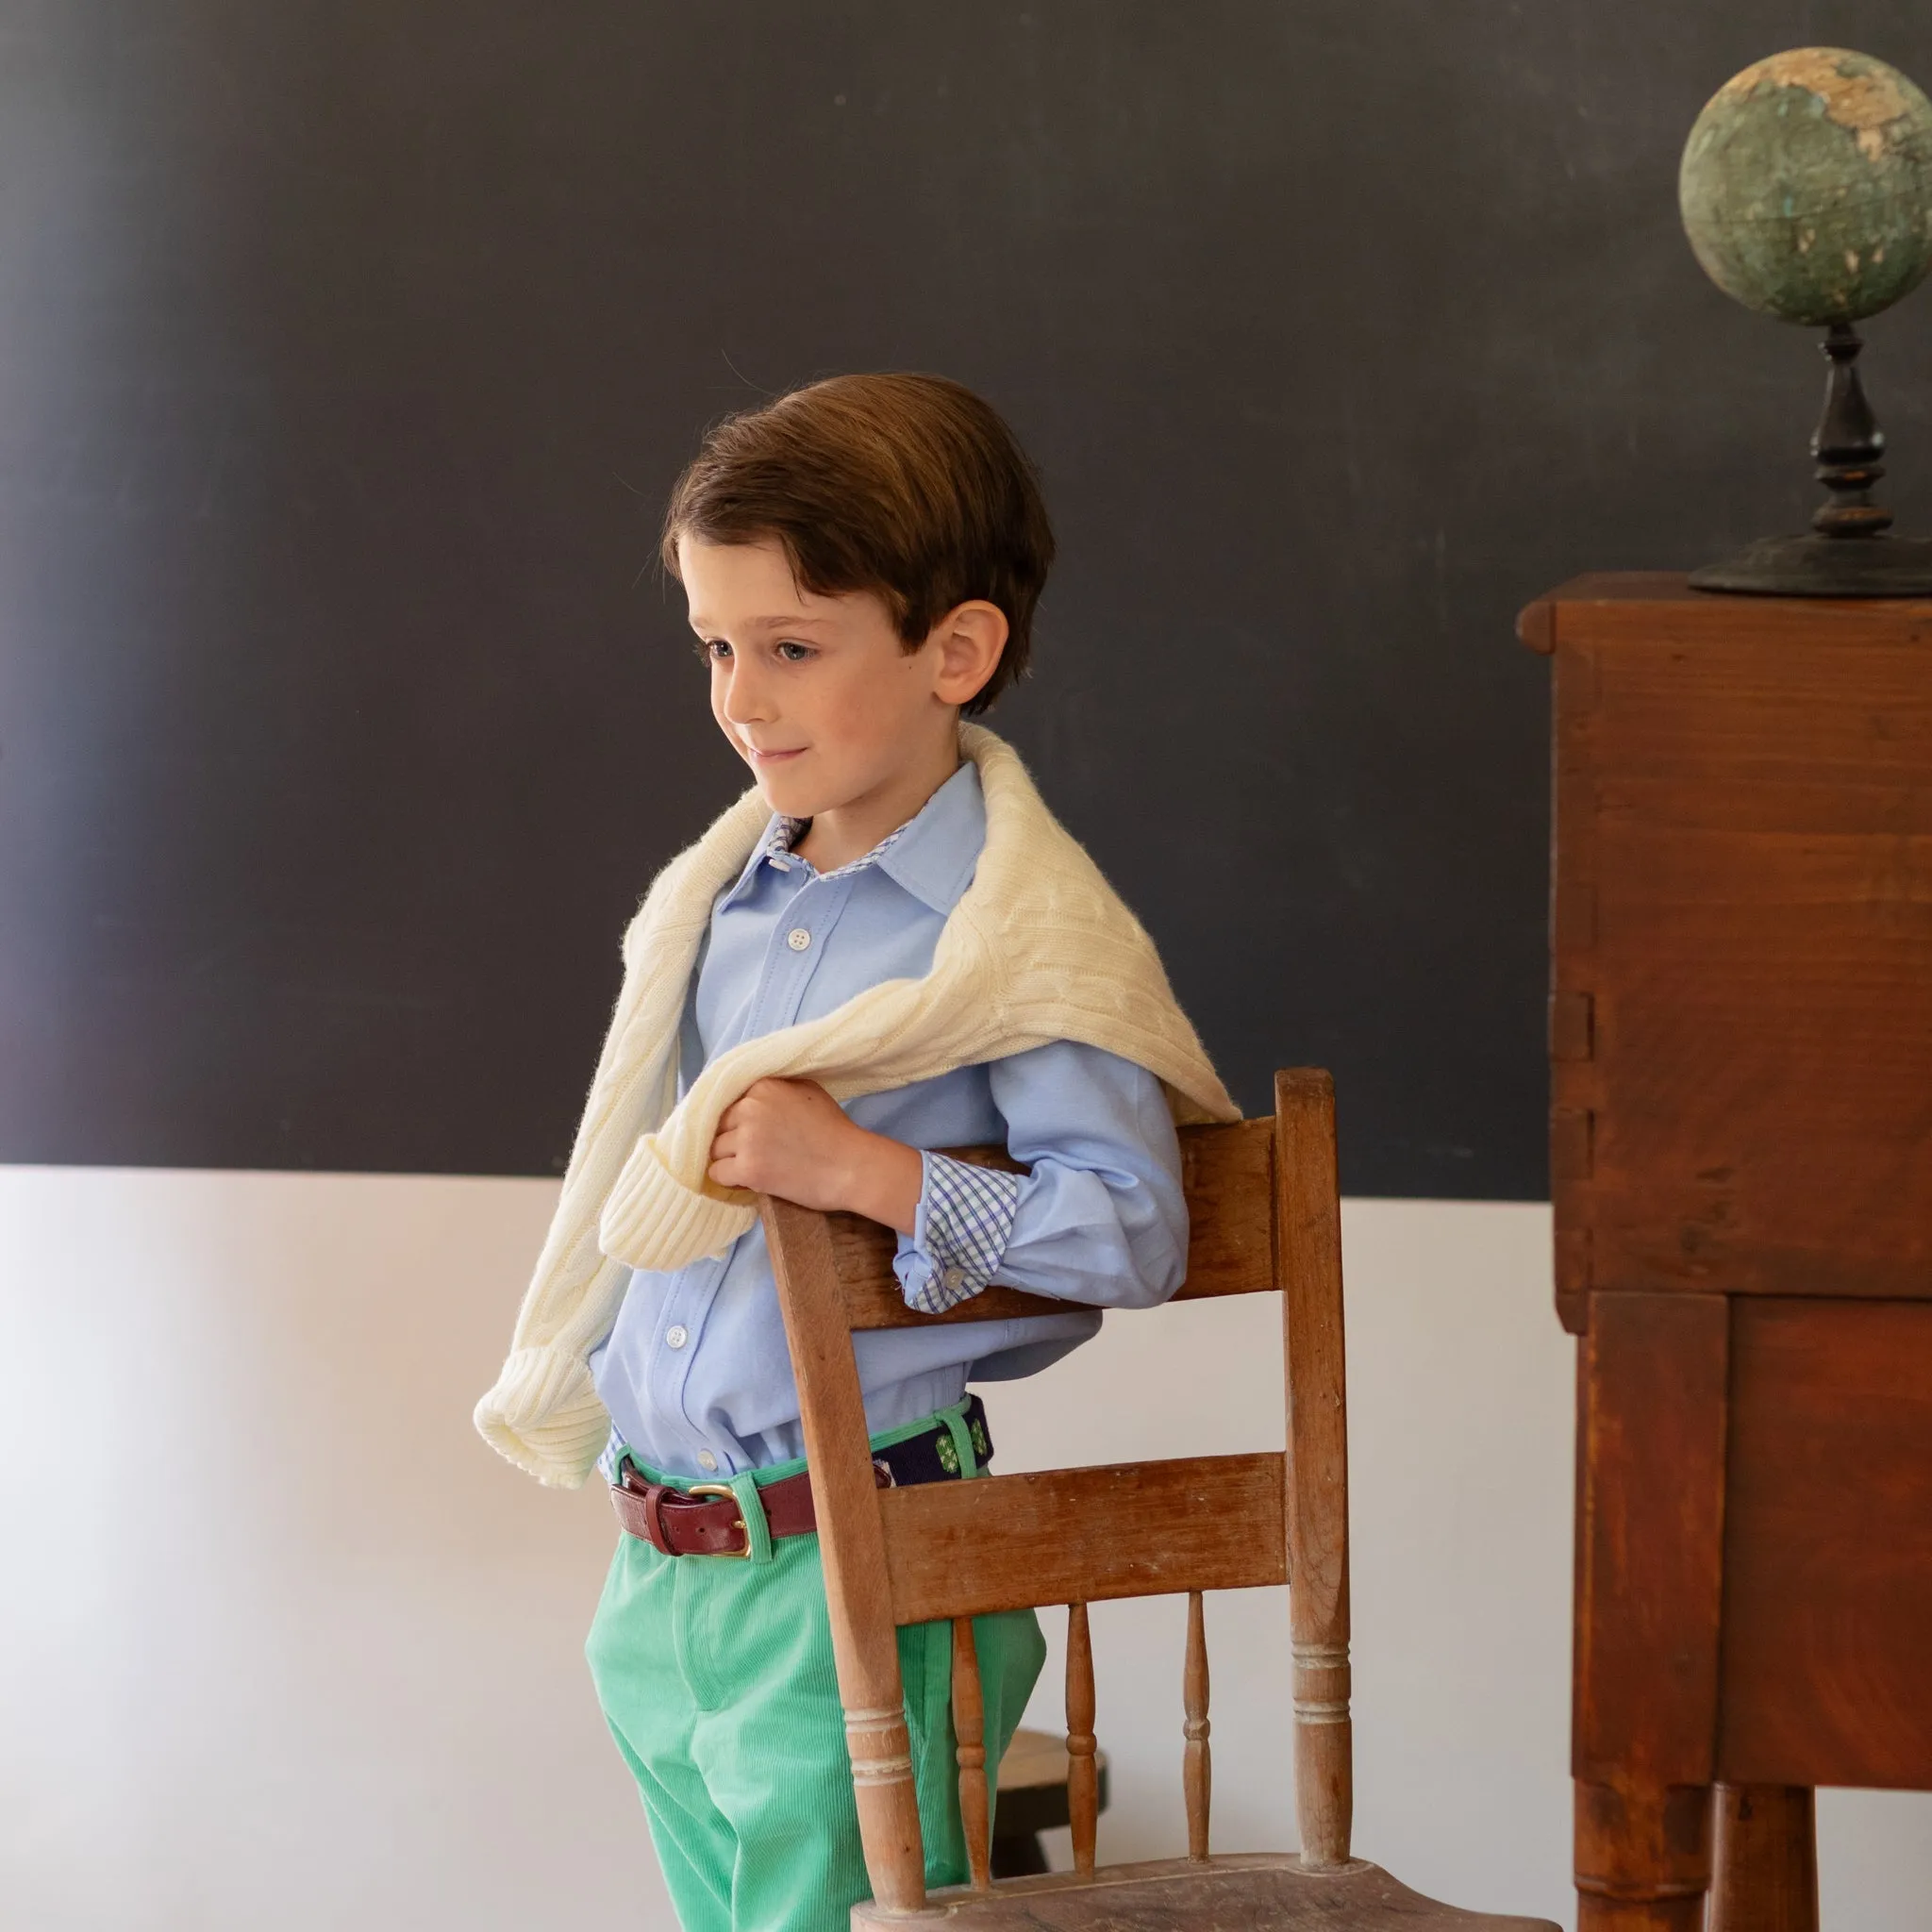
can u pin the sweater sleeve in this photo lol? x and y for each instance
(1099, 1217)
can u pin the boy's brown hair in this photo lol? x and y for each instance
(907, 486)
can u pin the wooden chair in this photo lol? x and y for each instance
(1263, 1204)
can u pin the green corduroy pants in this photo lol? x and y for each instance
(715, 1676)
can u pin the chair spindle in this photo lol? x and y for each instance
(1083, 1783)
(969, 1729)
(1197, 1769)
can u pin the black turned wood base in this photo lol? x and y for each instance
(1825, 567)
(1851, 555)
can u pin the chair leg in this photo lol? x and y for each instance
(1765, 1860)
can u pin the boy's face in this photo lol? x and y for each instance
(817, 694)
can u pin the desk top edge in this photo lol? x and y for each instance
(1535, 624)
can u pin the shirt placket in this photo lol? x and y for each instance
(792, 952)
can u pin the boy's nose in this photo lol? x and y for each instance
(747, 700)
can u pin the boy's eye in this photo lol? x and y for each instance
(794, 654)
(712, 650)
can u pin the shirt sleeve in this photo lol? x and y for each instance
(1099, 1217)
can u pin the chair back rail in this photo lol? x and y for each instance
(1263, 1214)
(1226, 1171)
(1010, 1543)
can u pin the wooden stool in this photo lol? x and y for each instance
(1033, 1798)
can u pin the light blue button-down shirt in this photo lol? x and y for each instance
(695, 1372)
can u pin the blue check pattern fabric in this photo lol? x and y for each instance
(782, 834)
(965, 1217)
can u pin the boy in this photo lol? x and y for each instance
(889, 920)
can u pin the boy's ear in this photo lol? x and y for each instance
(970, 637)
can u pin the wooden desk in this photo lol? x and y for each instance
(1740, 1134)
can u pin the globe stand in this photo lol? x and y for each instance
(1851, 555)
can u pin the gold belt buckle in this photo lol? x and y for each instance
(722, 1490)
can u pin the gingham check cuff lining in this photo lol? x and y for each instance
(966, 1217)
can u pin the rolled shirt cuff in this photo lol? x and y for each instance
(959, 1233)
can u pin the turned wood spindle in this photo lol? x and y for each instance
(969, 1729)
(1197, 1769)
(1083, 1782)
(1847, 444)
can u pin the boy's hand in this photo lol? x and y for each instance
(791, 1139)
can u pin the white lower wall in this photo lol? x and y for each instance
(285, 1643)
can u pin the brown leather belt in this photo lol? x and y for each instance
(702, 1518)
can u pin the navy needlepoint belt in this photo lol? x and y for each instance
(702, 1518)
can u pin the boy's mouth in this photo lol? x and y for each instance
(771, 757)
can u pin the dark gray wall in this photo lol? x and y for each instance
(346, 352)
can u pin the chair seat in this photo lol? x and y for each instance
(1256, 1892)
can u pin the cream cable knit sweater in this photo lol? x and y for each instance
(1038, 948)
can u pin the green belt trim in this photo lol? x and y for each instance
(758, 1531)
(953, 1420)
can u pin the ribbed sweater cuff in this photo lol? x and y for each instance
(544, 1415)
(652, 1220)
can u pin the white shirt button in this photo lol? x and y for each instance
(706, 1459)
(955, 1277)
(798, 938)
(677, 1334)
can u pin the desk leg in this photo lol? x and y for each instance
(1766, 1858)
(1642, 1857)
(1649, 1592)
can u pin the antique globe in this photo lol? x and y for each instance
(1806, 186)
(1805, 190)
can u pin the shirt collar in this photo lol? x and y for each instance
(932, 855)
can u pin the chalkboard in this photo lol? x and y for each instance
(348, 351)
